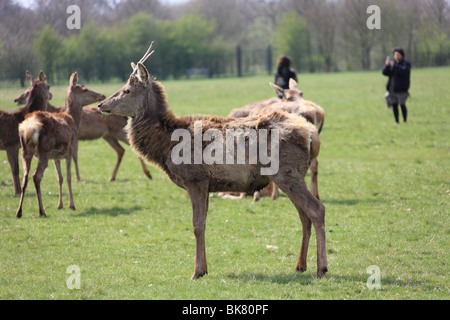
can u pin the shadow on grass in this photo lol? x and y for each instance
(309, 278)
(351, 202)
(296, 277)
(113, 212)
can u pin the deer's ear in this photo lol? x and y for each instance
(293, 84)
(73, 79)
(42, 76)
(142, 73)
(278, 90)
(29, 77)
(133, 66)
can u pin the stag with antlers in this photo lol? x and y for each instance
(151, 131)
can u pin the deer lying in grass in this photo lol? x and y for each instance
(94, 126)
(53, 136)
(151, 132)
(10, 120)
(292, 101)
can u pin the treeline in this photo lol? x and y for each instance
(319, 35)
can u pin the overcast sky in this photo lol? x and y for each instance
(28, 3)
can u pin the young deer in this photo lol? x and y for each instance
(10, 120)
(53, 136)
(151, 132)
(292, 101)
(94, 126)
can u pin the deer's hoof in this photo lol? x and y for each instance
(321, 273)
(300, 269)
(199, 274)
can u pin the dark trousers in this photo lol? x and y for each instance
(404, 112)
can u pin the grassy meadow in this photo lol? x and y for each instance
(386, 189)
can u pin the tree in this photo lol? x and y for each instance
(16, 36)
(47, 45)
(359, 40)
(292, 38)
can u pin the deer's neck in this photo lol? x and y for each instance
(74, 109)
(36, 102)
(150, 131)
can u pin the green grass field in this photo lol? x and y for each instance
(386, 189)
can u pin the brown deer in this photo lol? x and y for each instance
(292, 101)
(10, 120)
(151, 134)
(94, 126)
(53, 136)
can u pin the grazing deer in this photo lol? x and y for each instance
(53, 136)
(292, 101)
(94, 126)
(151, 131)
(10, 120)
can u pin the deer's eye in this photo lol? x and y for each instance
(127, 91)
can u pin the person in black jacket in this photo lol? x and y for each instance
(284, 72)
(399, 72)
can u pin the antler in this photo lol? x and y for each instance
(147, 54)
(144, 58)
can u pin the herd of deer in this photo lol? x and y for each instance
(47, 132)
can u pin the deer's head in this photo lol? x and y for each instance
(80, 94)
(41, 79)
(291, 94)
(129, 100)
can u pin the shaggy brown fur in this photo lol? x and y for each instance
(150, 131)
(10, 120)
(53, 136)
(292, 101)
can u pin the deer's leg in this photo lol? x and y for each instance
(69, 182)
(314, 172)
(302, 259)
(26, 163)
(275, 191)
(13, 159)
(144, 168)
(75, 161)
(114, 143)
(199, 200)
(57, 164)
(37, 178)
(308, 207)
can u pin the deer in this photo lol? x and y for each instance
(53, 136)
(154, 130)
(10, 119)
(94, 126)
(291, 94)
(291, 101)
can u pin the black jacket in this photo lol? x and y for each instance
(282, 78)
(400, 74)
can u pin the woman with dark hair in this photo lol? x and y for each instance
(284, 72)
(399, 72)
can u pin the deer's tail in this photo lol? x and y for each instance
(29, 130)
